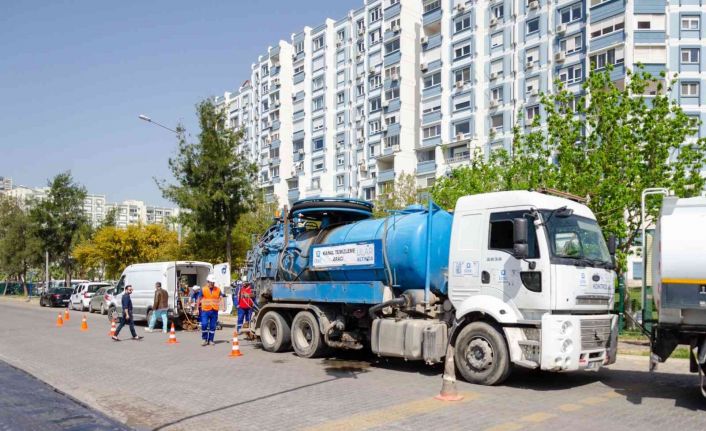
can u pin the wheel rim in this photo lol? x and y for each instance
(304, 335)
(269, 333)
(479, 354)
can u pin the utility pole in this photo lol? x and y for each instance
(46, 270)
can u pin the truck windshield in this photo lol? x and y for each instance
(576, 238)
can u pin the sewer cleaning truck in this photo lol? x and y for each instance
(679, 277)
(519, 277)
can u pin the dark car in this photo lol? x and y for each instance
(56, 297)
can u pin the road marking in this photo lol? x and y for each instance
(507, 426)
(537, 417)
(593, 400)
(398, 412)
(570, 407)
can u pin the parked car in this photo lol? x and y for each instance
(103, 299)
(55, 297)
(83, 293)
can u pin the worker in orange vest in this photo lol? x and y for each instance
(210, 300)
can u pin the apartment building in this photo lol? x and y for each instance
(415, 86)
(94, 208)
(5, 184)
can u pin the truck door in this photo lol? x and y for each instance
(466, 255)
(222, 273)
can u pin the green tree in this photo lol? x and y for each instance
(608, 146)
(400, 193)
(60, 221)
(20, 249)
(215, 181)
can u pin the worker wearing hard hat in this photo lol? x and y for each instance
(210, 301)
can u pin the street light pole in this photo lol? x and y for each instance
(149, 120)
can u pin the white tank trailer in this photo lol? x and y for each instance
(679, 277)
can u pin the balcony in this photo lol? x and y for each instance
(459, 158)
(607, 40)
(385, 176)
(293, 194)
(650, 37)
(426, 167)
(433, 41)
(432, 16)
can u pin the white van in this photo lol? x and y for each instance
(176, 277)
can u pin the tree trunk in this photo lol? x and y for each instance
(23, 279)
(4, 292)
(229, 245)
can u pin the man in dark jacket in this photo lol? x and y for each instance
(127, 316)
(160, 307)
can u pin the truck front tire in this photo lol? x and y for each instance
(482, 355)
(307, 340)
(275, 332)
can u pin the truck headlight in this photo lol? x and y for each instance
(566, 346)
(566, 328)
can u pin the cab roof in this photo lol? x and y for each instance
(520, 198)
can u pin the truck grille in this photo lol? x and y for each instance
(599, 300)
(594, 333)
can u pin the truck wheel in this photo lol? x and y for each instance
(307, 340)
(275, 332)
(481, 354)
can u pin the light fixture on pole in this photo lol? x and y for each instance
(149, 120)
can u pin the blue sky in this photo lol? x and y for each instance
(74, 75)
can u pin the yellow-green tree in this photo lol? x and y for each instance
(397, 195)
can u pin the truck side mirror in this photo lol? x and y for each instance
(612, 245)
(519, 238)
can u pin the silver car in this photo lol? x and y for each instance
(102, 300)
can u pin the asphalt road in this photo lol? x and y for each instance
(152, 385)
(30, 404)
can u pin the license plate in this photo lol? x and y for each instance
(593, 365)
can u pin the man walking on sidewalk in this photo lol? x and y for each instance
(160, 307)
(210, 301)
(127, 316)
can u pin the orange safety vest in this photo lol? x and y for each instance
(211, 298)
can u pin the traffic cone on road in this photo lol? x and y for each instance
(235, 350)
(112, 329)
(84, 324)
(66, 314)
(59, 321)
(448, 385)
(172, 336)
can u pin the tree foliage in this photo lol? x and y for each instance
(59, 219)
(215, 182)
(607, 145)
(400, 193)
(20, 249)
(112, 249)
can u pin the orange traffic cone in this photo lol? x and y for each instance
(448, 383)
(112, 329)
(235, 351)
(59, 321)
(172, 336)
(84, 324)
(66, 314)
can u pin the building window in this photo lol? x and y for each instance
(430, 5)
(462, 103)
(690, 55)
(375, 104)
(394, 25)
(689, 89)
(690, 22)
(571, 75)
(496, 67)
(318, 164)
(340, 118)
(317, 103)
(463, 75)
(612, 56)
(340, 160)
(341, 36)
(375, 36)
(375, 14)
(571, 13)
(392, 46)
(340, 181)
(431, 131)
(496, 39)
(360, 89)
(392, 93)
(392, 72)
(497, 123)
(318, 43)
(318, 144)
(316, 183)
(462, 23)
(532, 55)
(360, 24)
(317, 83)
(341, 98)
(608, 26)
(431, 109)
(369, 193)
(498, 12)
(432, 80)
(341, 78)
(572, 44)
(637, 271)
(361, 46)
(533, 26)
(299, 69)
(462, 128)
(374, 126)
(532, 85)
(462, 51)
(644, 25)
(375, 82)
(299, 47)
(532, 112)
(391, 120)
(372, 150)
(496, 94)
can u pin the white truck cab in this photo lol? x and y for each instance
(536, 266)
